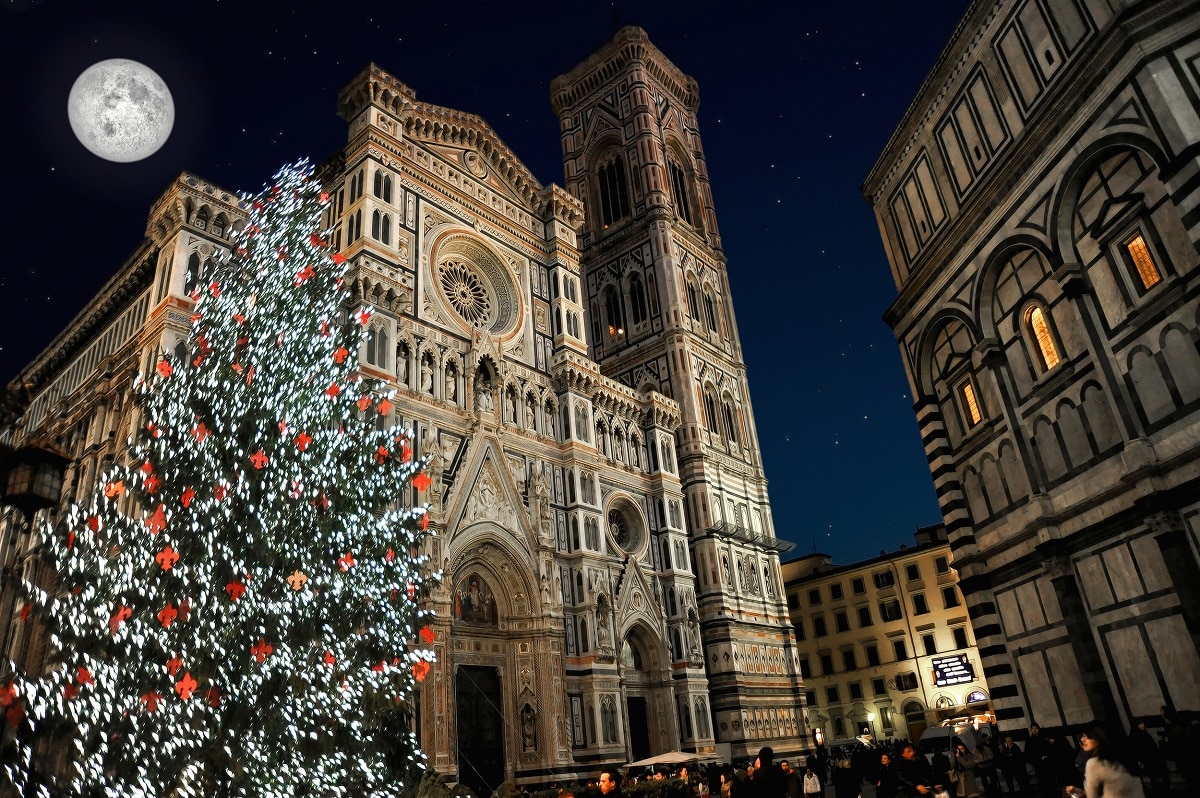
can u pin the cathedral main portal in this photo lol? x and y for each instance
(480, 728)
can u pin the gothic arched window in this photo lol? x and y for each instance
(679, 191)
(612, 312)
(691, 300)
(614, 190)
(637, 300)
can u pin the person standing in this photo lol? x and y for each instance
(1150, 761)
(966, 785)
(1105, 774)
(768, 778)
(914, 775)
(812, 784)
(610, 783)
(885, 777)
(1037, 751)
(1012, 765)
(791, 780)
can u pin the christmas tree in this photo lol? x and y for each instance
(236, 606)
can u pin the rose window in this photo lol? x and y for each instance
(466, 293)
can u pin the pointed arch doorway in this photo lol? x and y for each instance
(480, 723)
(646, 685)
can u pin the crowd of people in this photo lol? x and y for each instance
(1048, 766)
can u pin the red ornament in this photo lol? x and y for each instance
(261, 650)
(151, 484)
(426, 635)
(324, 329)
(70, 691)
(153, 430)
(338, 258)
(259, 459)
(151, 700)
(71, 539)
(323, 200)
(114, 489)
(167, 558)
(363, 316)
(391, 554)
(420, 669)
(173, 666)
(164, 369)
(214, 288)
(340, 354)
(346, 561)
(185, 610)
(167, 615)
(122, 614)
(250, 375)
(157, 522)
(378, 667)
(281, 253)
(220, 492)
(304, 274)
(239, 318)
(381, 455)
(93, 523)
(25, 612)
(83, 675)
(385, 407)
(329, 659)
(186, 498)
(235, 590)
(406, 453)
(412, 591)
(186, 686)
(424, 522)
(302, 441)
(422, 482)
(200, 432)
(363, 403)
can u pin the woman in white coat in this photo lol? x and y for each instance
(1105, 775)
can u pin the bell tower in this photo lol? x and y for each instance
(660, 317)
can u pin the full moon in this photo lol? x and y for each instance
(121, 110)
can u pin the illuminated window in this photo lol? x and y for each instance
(1038, 328)
(1143, 262)
(970, 403)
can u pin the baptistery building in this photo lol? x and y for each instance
(568, 359)
(1040, 207)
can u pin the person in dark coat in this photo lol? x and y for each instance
(1148, 759)
(914, 775)
(1012, 765)
(885, 777)
(1037, 751)
(768, 779)
(846, 782)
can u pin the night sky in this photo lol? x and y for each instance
(795, 107)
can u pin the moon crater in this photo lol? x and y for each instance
(121, 110)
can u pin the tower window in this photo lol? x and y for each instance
(637, 299)
(1038, 328)
(612, 312)
(614, 191)
(1143, 262)
(691, 301)
(679, 195)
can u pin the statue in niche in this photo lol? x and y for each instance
(402, 364)
(451, 386)
(540, 502)
(530, 421)
(511, 402)
(528, 728)
(436, 464)
(484, 399)
(549, 422)
(474, 602)
(426, 376)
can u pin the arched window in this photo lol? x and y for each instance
(679, 190)
(731, 426)
(1144, 267)
(612, 312)
(385, 231)
(710, 312)
(1037, 327)
(637, 300)
(712, 420)
(691, 300)
(652, 293)
(614, 190)
(377, 346)
(383, 185)
(202, 219)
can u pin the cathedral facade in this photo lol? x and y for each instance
(1038, 204)
(569, 362)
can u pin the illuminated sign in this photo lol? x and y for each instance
(952, 670)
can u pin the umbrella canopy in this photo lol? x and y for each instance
(672, 758)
